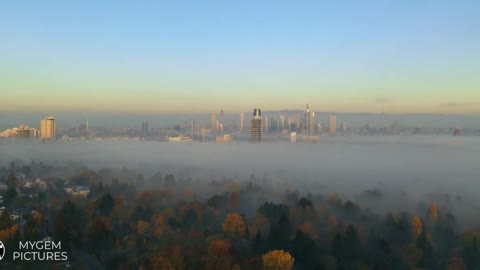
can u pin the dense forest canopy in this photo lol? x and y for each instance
(128, 220)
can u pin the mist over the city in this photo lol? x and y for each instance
(415, 165)
(239, 135)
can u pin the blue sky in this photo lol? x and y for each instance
(157, 56)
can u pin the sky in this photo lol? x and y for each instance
(200, 56)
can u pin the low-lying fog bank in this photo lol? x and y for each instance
(405, 168)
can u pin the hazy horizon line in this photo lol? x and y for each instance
(137, 112)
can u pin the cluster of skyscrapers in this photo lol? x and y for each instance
(47, 130)
(305, 125)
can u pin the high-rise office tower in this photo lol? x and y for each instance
(266, 124)
(256, 126)
(282, 122)
(144, 128)
(213, 121)
(242, 122)
(344, 126)
(307, 120)
(395, 127)
(333, 123)
(47, 128)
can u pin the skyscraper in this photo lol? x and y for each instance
(242, 122)
(308, 118)
(47, 128)
(395, 127)
(344, 126)
(281, 122)
(256, 126)
(144, 128)
(213, 121)
(333, 123)
(266, 124)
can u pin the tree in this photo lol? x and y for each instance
(143, 226)
(273, 212)
(100, 236)
(69, 225)
(10, 195)
(412, 255)
(433, 214)
(170, 181)
(12, 179)
(277, 260)
(304, 203)
(235, 225)
(417, 227)
(140, 180)
(170, 259)
(218, 201)
(218, 255)
(304, 250)
(456, 263)
(106, 204)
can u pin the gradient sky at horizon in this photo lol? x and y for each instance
(200, 56)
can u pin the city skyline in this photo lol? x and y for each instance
(404, 57)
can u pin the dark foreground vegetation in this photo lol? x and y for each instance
(119, 219)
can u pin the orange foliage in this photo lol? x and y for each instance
(232, 186)
(219, 247)
(235, 199)
(170, 260)
(308, 229)
(218, 256)
(277, 260)
(120, 199)
(142, 226)
(195, 234)
(235, 224)
(433, 214)
(158, 225)
(332, 223)
(417, 227)
(262, 224)
(7, 233)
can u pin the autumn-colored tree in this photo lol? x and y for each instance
(235, 225)
(5, 234)
(219, 247)
(277, 260)
(161, 262)
(308, 229)
(158, 225)
(100, 236)
(261, 224)
(142, 226)
(171, 259)
(456, 263)
(234, 200)
(412, 255)
(433, 214)
(218, 255)
(417, 227)
(332, 223)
